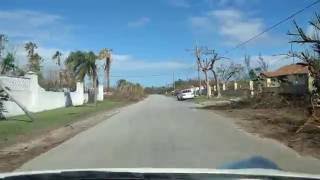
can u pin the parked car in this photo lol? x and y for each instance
(185, 94)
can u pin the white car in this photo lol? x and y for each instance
(185, 94)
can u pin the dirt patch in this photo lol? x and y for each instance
(14, 156)
(280, 123)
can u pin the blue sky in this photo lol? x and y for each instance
(150, 38)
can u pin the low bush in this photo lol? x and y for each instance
(129, 90)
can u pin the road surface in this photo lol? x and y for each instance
(161, 132)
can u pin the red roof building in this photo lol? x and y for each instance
(292, 69)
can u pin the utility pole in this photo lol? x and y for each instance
(173, 82)
(195, 51)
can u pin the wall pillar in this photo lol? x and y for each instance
(100, 93)
(33, 89)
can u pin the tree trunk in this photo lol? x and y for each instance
(207, 84)
(199, 79)
(217, 83)
(60, 78)
(218, 90)
(107, 74)
(3, 70)
(94, 78)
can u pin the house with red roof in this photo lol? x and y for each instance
(290, 79)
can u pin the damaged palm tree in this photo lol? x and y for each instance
(105, 54)
(5, 95)
(311, 59)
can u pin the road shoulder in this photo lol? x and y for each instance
(279, 124)
(14, 155)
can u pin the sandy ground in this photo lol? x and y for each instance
(280, 124)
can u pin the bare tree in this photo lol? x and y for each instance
(205, 65)
(247, 62)
(312, 61)
(228, 71)
(262, 64)
(206, 59)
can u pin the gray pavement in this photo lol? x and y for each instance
(161, 132)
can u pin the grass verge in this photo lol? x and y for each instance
(18, 128)
(203, 98)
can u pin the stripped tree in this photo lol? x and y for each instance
(311, 59)
(57, 57)
(228, 71)
(206, 60)
(105, 54)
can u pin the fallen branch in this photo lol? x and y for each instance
(24, 109)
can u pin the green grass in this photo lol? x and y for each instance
(19, 126)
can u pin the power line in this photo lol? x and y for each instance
(273, 26)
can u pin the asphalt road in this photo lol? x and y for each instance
(161, 132)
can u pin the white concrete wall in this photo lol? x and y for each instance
(27, 91)
(100, 93)
(77, 97)
(86, 97)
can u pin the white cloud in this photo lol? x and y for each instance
(234, 2)
(127, 62)
(202, 24)
(233, 25)
(25, 25)
(179, 3)
(139, 22)
(237, 27)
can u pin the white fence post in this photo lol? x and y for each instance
(224, 86)
(235, 85)
(251, 88)
(34, 90)
(268, 82)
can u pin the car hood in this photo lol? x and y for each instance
(218, 172)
